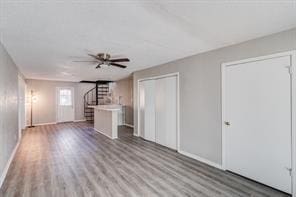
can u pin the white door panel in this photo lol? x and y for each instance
(147, 104)
(166, 111)
(142, 109)
(65, 104)
(258, 107)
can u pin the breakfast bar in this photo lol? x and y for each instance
(106, 119)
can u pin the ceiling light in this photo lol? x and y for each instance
(104, 65)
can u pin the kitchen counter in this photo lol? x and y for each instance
(106, 119)
(107, 107)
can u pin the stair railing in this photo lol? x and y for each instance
(89, 99)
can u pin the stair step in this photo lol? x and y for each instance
(92, 97)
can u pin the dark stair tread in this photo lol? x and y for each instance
(92, 97)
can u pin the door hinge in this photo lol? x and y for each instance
(227, 123)
(290, 69)
(290, 170)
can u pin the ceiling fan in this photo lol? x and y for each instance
(105, 60)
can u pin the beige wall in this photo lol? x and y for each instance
(200, 90)
(44, 110)
(124, 88)
(8, 108)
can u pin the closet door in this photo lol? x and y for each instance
(142, 109)
(258, 115)
(166, 111)
(147, 110)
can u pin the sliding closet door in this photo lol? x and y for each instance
(166, 111)
(147, 110)
(141, 109)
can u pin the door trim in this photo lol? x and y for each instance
(57, 102)
(292, 55)
(178, 102)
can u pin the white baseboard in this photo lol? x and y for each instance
(82, 120)
(128, 125)
(136, 134)
(4, 173)
(203, 160)
(40, 124)
(48, 123)
(104, 134)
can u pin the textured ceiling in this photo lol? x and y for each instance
(44, 37)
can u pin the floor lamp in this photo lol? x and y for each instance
(32, 100)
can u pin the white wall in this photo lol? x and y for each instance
(44, 110)
(200, 90)
(8, 108)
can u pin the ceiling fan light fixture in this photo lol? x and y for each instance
(104, 65)
(104, 60)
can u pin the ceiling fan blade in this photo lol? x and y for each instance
(99, 65)
(96, 57)
(120, 60)
(118, 65)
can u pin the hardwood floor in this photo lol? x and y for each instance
(72, 159)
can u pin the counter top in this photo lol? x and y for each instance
(107, 107)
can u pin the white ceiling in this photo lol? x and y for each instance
(44, 37)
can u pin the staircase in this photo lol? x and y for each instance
(94, 96)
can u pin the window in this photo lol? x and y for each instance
(65, 97)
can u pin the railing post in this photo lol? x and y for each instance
(97, 99)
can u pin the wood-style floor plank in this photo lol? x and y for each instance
(73, 160)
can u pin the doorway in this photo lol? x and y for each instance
(258, 122)
(65, 104)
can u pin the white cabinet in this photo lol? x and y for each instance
(158, 110)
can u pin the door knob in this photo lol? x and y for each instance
(227, 123)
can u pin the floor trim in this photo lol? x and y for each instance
(40, 124)
(203, 160)
(128, 125)
(49, 123)
(3, 175)
(104, 134)
(82, 120)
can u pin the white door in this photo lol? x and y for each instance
(65, 104)
(258, 109)
(21, 104)
(141, 109)
(147, 110)
(166, 111)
